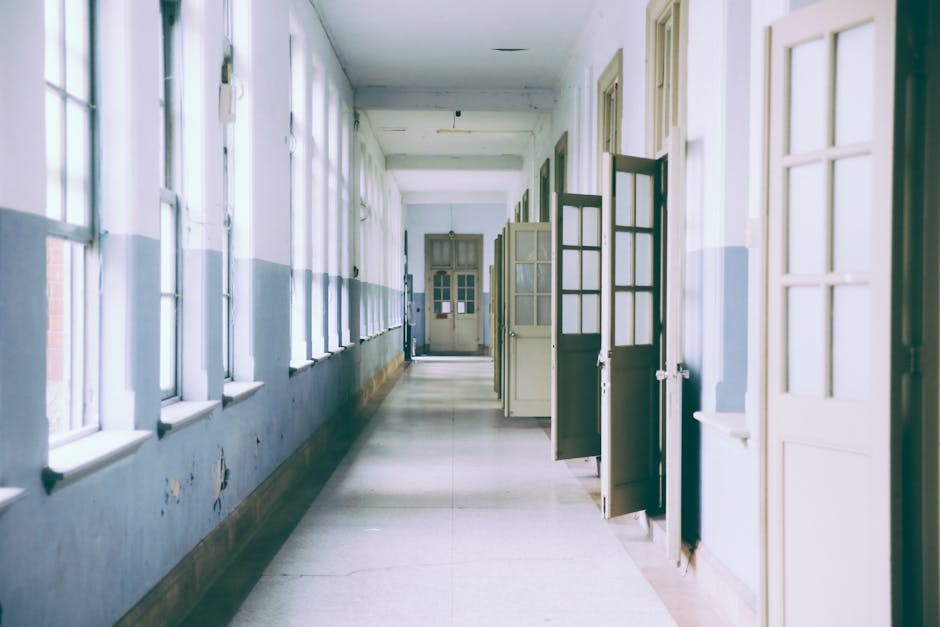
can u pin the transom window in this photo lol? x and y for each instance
(664, 76)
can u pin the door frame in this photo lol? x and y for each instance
(453, 270)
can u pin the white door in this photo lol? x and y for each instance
(530, 318)
(829, 317)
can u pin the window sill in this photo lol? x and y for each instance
(320, 357)
(732, 424)
(182, 414)
(9, 496)
(299, 365)
(236, 391)
(76, 459)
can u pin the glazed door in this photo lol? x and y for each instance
(530, 318)
(576, 325)
(441, 323)
(466, 312)
(829, 315)
(630, 335)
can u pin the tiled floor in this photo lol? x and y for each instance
(446, 513)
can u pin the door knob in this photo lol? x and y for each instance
(512, 333)
(662, 375)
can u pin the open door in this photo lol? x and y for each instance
(829, 317)
(530, 317)
(576, 325)
(630, 334)
(496, 302)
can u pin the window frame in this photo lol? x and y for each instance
(228, 210)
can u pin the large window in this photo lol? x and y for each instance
(298, 249)
(170, 203)
(228, 195)
(319, 233)
(71, 254)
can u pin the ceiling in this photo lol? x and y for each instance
(447, 45)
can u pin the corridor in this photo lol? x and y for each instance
(446, 513)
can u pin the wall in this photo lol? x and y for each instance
(84, 554)
(485, 219)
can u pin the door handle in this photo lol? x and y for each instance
(512, 333)
(661, 375)
(683, 373)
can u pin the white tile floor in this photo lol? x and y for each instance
(446, 513)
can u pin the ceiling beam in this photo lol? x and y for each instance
(404, 99)
(479, 163)
(454, 197)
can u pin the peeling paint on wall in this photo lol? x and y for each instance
(221, 473)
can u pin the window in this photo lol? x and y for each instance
(335, 226)
(319, 231)
(298, 249)
(170, 203)
(228, 196)
(663, 36)
(609, 107)
(71, 250)
(345, 241)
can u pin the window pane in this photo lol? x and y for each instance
(525, 310)
(544, 272)
(644, 259)
(591, 270)
(570, 270)
(466, 253)
(461, 280)
(623, 263)
(65, 296)
(168, 345)
(54, 37)
(644, 318)
(805, 315)
(525, 278)
(525, 246)
(167, 248)
(570, 314)
(808, 96)
(591, 313)
(226, 367)
(78, 162)
(55, 161)
(623, 318)
(544, 310)
(570, 224)
(855, 88)
(441, 253)
(807, 215)
(591, 233)
(77, 61)
(644, 201)
(851, 206)
(851, 342)
(545, 245)
(624, 199)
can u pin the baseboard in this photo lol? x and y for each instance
(174, 596)
(729, 596)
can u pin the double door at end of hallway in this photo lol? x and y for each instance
(454, 292)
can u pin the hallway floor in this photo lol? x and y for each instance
(446, 513)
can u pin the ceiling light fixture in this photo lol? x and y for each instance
(508, 49)
(393, 129)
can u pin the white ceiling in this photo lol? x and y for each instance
(448, 43)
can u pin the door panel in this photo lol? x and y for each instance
(496, 300)
(466, 311)
(576, 339)
(630, 334)
(530, 316)
(441, 319)
(828, 333)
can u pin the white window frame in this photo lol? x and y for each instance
(228, 209)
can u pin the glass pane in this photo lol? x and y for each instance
(807, 215)
(544, 272)
(851, 342)
(644, 318)
(623, 264)
(808, 68)
(226, 369)
(525, 246)
(570, 270)
(55, 161)
(644, 201)
(441, 252)
(644, 259)
(591, 314)
(591, 234)
(525, 278)
(54, 38)
(544, 310)
(437, 293)
(470, 280)
(623, 318)
(445, 279)
(78, 163)
(466, 253)
(461, 280)
(525, 310)
(167, 248)
(77, 66)
(570, 314)
(805, 315)
(168, 345)
(855, 84)
(545, 245)
(624, 199)
(851, 206)
(591, 270)
(62, 302)
(570, 220)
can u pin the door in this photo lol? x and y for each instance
(496, 301)
(466, 314)
(441, 323)
(530, 318)
(829, 315)
(453, 269)
(631, 330)
(576, 325)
